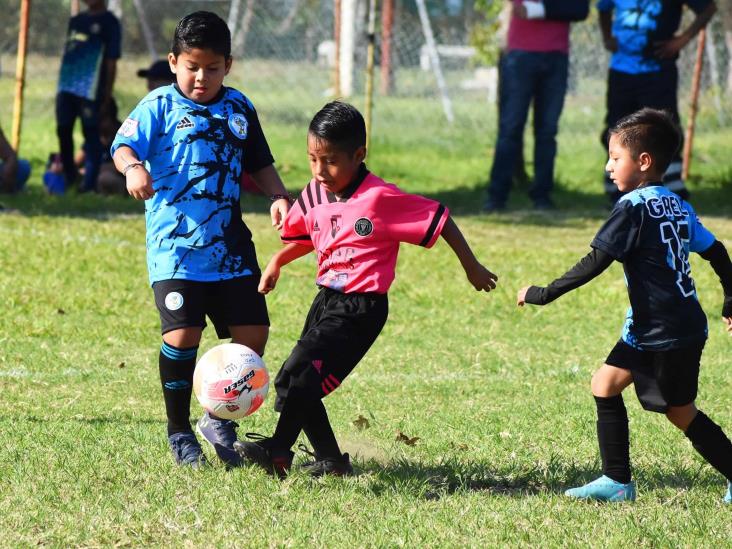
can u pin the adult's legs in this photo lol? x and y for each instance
(92, 144)
(518, 74)
(549, 93)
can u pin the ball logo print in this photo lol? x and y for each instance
(363, 226)
(173, 301)
(231, 381)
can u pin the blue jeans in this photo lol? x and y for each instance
(526, 77)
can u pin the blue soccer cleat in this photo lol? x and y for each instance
(221, 435)
(604, 489)
(186, 449)
(728, 497)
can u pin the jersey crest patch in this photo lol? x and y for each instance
(184, 123)
(363, 226)
(238, 125)
(128, 128)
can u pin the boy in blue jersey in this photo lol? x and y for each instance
(641, 37)
(651, 231)
(183, 150)
(86, 80)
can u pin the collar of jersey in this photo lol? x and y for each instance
(218, 97)
(352, 186)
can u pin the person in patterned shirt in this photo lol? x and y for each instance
(183, 150)
(355, 222)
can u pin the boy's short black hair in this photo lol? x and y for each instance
(652, 131)
(341, 125)
(202, 30)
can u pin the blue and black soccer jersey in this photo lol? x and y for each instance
(195, 154)
(639, 24)
(89, 41)
(651, 231)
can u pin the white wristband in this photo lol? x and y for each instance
(534, 10)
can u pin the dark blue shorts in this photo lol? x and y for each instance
(232, 302)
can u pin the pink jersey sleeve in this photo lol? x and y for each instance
(295, 228)
(412, 218)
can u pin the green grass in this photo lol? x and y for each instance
(498, 396)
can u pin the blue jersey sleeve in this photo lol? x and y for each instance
(113, 39)
(700, 238)
(605, 5)
(136, 131)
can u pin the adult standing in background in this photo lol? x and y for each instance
(86, 81)
(534, 69)
(14, 172)
(641, 34)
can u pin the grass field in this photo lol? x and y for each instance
(499, 397)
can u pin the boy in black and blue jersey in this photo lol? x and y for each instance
(184, 149)
(651, 231)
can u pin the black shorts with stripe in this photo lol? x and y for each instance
(661, 378)
(339, 330)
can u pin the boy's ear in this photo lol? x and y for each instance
(645, 161)
(227, 66)
(360, 154)
(172, 62)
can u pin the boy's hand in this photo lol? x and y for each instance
(139, 183)
(278, 210)
(269, 278)
(481, 278)
(521, 297)
(669, 49)
(728, 324)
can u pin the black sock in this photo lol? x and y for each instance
(710, 441)
(319, 431)
(613, 437)
(176, 377)
(290, 423)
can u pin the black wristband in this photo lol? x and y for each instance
(274, 197)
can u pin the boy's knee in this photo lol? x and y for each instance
(682, 416)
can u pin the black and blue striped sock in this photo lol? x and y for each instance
(176, 377)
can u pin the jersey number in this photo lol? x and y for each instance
(675, 235)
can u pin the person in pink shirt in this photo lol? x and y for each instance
(533, 70)
(355, 222)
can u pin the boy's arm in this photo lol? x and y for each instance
(286, 255)
(719, 259)
(480, 277)
(669, 49)
(269, 182)
(606, 28)
(585, 270)
(110, 67)
(139, 182)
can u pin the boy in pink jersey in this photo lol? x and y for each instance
(355, 222)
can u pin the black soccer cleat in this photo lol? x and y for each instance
(260, 452)
(320, 466)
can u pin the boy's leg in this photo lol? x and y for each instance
(67, 109)
(239, 311)
(92, 144)
(182, 320)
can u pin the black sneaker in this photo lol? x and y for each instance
(186, 450)
(260, 452)
(339, 467)
(221, 435)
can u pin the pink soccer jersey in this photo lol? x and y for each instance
(357, 236)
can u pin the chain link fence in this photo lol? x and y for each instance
(284, 54)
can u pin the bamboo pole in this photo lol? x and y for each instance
(25, 6)
(387, 29)
(693, 104)
(370, 69)
(337, 40)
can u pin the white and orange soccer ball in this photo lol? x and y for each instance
(231, 381)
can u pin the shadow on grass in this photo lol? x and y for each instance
(437, 480)
(97, 421)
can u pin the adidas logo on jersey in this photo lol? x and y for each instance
(184, 123)
(316, 227)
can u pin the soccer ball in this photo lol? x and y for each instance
(230, 381)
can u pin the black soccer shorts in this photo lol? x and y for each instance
(232, 302)
(661, 378)
(339, 330)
